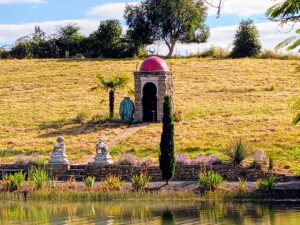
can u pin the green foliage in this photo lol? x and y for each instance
(140, 182)
(39, 178)
(215, 52)
(286, 11)
(210, 180)
(242, 184)
(112, 183)
(246, 42)
(89, 182)
(13, 182)
(238, 152)
(170, 21)
(266, 185)
(167, 161)
(111, 84)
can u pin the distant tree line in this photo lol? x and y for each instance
(67, 42)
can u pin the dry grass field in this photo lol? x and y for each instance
(220, 100)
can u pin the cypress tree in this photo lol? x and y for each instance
(167, 160)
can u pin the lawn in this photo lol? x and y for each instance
(219, 100)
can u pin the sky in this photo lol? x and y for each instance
(18, 18)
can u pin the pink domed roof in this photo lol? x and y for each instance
(154, 64)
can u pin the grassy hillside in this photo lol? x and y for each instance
(219, 100)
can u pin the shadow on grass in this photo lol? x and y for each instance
(75, 128)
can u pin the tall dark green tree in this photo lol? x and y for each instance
(246, 42)
(169, 21)
(167, 159)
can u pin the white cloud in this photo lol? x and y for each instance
(4, 2)
(11, 32)
(242, 7)
(109, 11)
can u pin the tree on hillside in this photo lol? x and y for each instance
(170, 21)
(167, 160)
(69, 40)
(105, 39)
(287, 11)
(111, 85)
(246, 42)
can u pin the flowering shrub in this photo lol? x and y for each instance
(146, 161)
(259, 159)
(205, 160)
(182, 160)
(127, 159)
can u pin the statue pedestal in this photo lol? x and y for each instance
(58, 158)
(102, 159)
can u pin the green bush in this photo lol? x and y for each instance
(39, 178)
(215, 52)
(242, 184)
(140, 182)
(246, 42)
(266, 185)
(112, 183)
(238, 152)
(89, 182)
(13, 182)
(210, 180)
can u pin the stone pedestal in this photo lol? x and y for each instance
(58, 157)
(102, 159)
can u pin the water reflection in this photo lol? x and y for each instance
(148, 213)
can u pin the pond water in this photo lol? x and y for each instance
(169, 213)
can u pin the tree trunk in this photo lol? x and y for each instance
(167, 182)
(111, 104)
(171, 49)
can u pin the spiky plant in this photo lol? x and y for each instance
(238, 152)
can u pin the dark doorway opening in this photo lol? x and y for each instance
(149, 103)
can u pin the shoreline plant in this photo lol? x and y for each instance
(266, 185)
(39, 178)
(13, 182)
(140, 182)
(112, 183)
(210, 180)
(89, 182)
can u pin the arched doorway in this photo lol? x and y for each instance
(149, 103)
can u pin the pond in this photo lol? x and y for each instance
(205, 213)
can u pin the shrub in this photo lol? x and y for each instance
(182, 160)
(210, 180)
(215, 52)
(246, 42)
(178, 116)
(205, 160)
(238, 152)
(13, 182)
(140, 182)
(269, 54)
(112, 183)
(89, 182)
(34, 158)
(271, 163)
(145, 161)
(127, 159)
(72, 184)
(39, 178)
(266, 185)
(242, 184)
(259, 160)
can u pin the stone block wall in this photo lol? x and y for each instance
(183, 172)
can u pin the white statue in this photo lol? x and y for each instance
(102, 155)
(58, 155)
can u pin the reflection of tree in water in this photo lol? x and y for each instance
(168, 218)
(168, 213)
